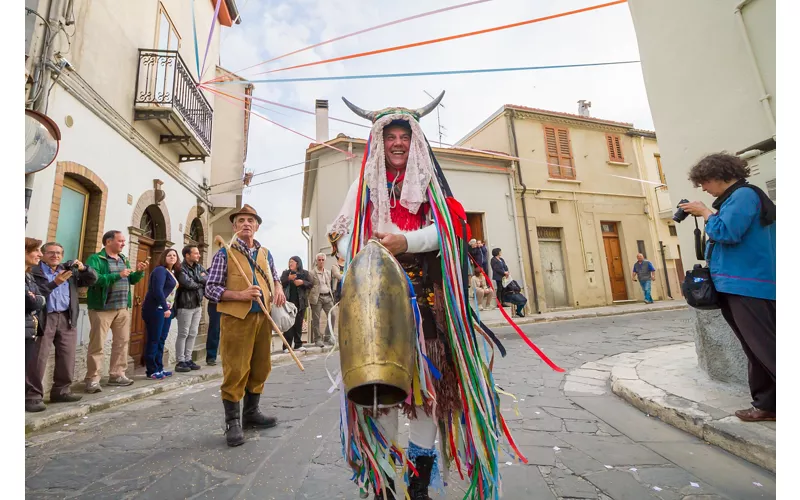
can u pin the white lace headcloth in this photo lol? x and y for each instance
(418, 172)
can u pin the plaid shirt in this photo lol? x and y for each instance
(218, 272)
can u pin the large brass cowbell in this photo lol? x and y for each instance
(377, 334)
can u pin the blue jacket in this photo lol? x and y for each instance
(161, 284)
(499, 268)
(744, 254)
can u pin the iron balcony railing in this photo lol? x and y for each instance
(164, 82)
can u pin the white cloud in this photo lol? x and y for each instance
(272, 28)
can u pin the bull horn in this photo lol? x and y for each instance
(419, 113)
(368, 115)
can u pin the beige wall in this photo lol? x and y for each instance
(702, 87)
(595, 196)
(227, 146)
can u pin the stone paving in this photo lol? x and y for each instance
(579, 446)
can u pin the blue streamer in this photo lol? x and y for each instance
(196, 49)
(426, 73)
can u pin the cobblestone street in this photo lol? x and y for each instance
(171, 446)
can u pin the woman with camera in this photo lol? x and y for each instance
(34, 300)
(742, 263)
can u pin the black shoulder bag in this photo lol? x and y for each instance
(698, 288)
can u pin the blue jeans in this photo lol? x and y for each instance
(157, 327)
(212, 339)
(646, 285)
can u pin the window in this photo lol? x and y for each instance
(553, 207)
(673, 231)
(771, 189)
(614, 145)
(559, 153)
(661, 176)
(167, 38)
(72, 219)
(640, 246)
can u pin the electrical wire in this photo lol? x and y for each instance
(446, 38)
(360, 32)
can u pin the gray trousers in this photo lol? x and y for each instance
(188, 324)
(325, 302)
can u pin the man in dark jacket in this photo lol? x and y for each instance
(188, 301)
(58, 283)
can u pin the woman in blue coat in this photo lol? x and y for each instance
(157, 312)
(499, 271)
(742, 259)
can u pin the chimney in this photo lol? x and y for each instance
(583, 108)
(321, 111)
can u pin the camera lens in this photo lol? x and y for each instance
(679, 214)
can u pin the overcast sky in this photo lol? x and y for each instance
(273, 27)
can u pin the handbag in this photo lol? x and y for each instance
(284, 316)
(698, 287)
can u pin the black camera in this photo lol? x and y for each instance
(679, 214)
(73, 268)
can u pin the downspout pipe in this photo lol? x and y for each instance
(525, 213)
(765, 97)
(666, 272)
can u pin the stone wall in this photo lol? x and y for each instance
(719, 352)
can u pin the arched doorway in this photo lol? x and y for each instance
(197, 237)
(148, 241)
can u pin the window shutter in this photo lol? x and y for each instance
(552, 152)
(565, 155)
(614, 148)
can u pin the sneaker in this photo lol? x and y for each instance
(192, 365)
(182, 367)
(166, 373)
(34, 405)
(65, 398)
(156, 376)
(285, 350)
(93, 387)
(121, 381)
(211, 362)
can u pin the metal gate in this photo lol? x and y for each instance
(553, 272)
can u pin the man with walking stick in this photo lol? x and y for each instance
(246, 330)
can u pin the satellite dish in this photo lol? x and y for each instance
(42, 138)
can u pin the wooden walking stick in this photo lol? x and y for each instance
(219, 241)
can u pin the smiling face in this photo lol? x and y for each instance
(33, 258)
(396, 145)
(53, 255)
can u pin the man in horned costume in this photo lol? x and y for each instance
(401, 198)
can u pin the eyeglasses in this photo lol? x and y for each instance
(53, 252)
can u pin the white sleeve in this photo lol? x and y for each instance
(423, 240)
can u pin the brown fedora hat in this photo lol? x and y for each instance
(248, 210)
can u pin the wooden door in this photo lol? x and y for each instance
(475, 222)
(616, 271)
(553, 269)
(138, 332)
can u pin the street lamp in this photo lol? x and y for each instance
(42, 139)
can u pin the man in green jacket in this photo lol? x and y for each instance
(109, 303)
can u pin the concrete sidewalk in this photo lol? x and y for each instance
(665, 382)
(142, 387)
(494, 318)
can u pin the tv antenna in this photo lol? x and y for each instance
(438, 117)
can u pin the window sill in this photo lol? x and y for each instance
(618, 164)
(568, 181)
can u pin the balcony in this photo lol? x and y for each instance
(665, 206)
(166, 92)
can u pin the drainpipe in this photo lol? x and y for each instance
(666, 273)
(516, 229)
(765, 97)
(525, 213)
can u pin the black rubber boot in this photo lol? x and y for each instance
(389, 495)
(251, 414)
(233, 426)
(418, 485)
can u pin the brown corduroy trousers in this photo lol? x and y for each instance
(245, 347)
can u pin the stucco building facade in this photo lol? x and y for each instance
(586, 205)
(137, 135)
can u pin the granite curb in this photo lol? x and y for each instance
(36, 422)
(578, 314)
(620, 374)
